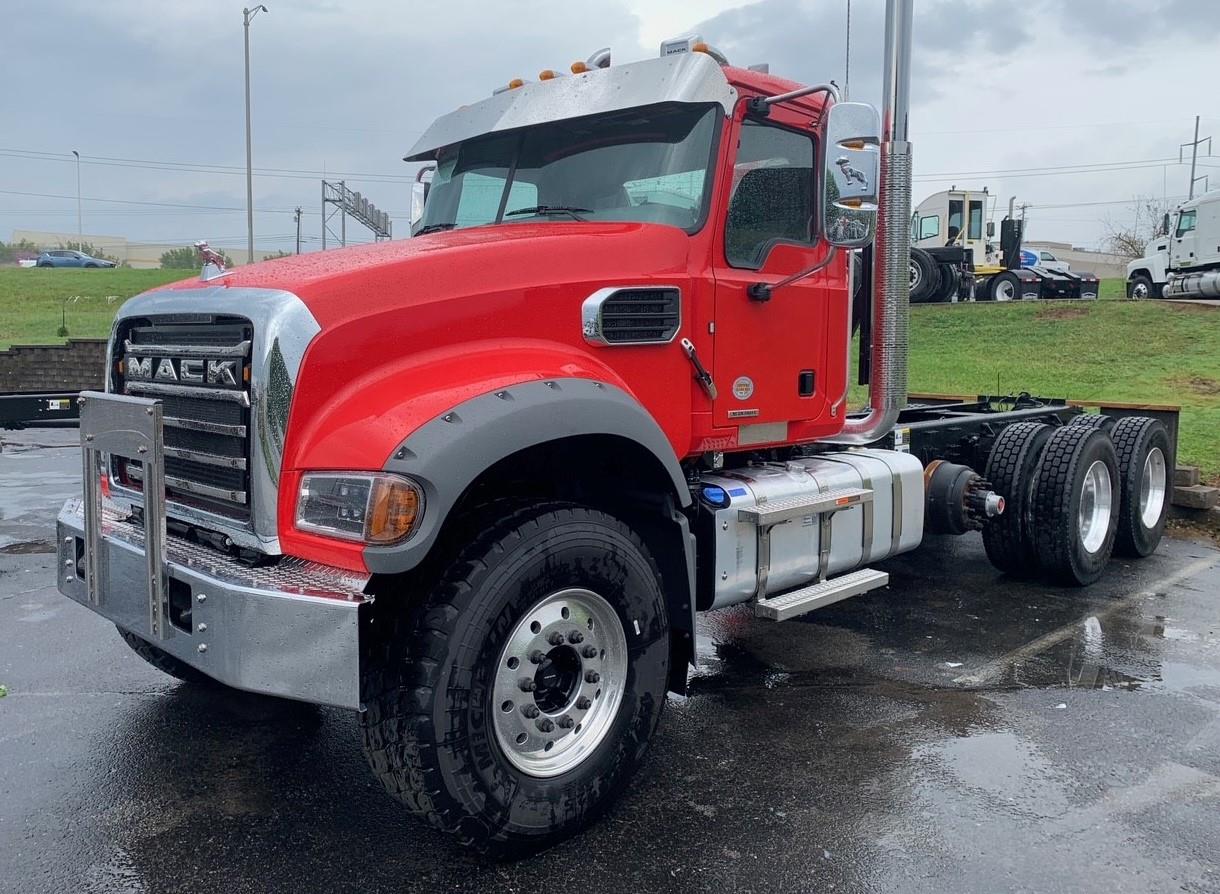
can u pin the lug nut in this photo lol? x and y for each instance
(536, 657)
(566, 722)
(583, 703)
(527, 685)
(545, 725)
(555, 639)
(530, 711)
(592, 677)
(589, 651)
(576, 637)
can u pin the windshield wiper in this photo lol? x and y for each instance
(551, 209)
(434, 228)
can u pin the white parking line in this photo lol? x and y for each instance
(992, 669)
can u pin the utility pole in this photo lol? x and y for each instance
(247, 16)
(297, 215)
(1194, 156)
(80, 230)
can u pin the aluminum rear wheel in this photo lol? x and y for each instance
(1152, 488)
(559, 682)
(1096, 501)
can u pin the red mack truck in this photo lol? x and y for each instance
(476, 484)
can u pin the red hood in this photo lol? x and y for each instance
(345, 284)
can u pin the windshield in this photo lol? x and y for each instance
(650, 165)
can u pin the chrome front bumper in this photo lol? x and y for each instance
(289, 630)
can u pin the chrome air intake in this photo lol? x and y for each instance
(887, 392)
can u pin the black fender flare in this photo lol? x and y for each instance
(447, 454)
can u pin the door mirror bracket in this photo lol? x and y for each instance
(762, 291)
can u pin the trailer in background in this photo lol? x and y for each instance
(24, 409)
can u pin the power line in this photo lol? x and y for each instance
(1052, 170)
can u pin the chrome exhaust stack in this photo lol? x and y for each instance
(887, 393)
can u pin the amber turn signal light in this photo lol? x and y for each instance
(394, 507)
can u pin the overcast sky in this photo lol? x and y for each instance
(1006, 95)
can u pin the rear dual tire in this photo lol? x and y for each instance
(1012, 469)
(925, 276)
(1142, 445)
(1077, 493)
(1076, 505)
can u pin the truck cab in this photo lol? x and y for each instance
(1188, 243)
(955, 217)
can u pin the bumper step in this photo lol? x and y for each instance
(798, 602)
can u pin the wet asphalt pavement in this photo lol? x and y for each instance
(955, 732)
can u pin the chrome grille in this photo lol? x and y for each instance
(198, 366)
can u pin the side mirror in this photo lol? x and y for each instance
(851, 166)
(991, 229)
(419, 193)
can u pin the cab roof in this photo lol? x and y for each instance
(685, 77)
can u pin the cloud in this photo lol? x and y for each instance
(806, 41)
(347, 85)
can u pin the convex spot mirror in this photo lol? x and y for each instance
(850, 177)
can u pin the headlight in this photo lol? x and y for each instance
(367, 507)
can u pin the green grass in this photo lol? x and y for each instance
(32, 300)
(1111, 350)
(1122, 351)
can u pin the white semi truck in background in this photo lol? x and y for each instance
(1183, 261)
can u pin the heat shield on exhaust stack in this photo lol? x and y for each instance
(891, 277)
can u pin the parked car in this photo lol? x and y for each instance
(66, 257)
(1043, 258)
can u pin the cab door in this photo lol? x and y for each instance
(770, 355)
(1184, 240)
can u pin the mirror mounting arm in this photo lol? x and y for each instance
(761, 291)
(761, 105)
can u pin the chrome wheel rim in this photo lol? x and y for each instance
(1096, 499)
(916, 275)
(559, 682)
(1139, 290)
(1152, 488)
(1004, 291)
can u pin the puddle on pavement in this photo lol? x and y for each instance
(27, 548)
(1000, 768)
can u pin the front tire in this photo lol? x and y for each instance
(1141, 287)
(548, 627)
(165, 662)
